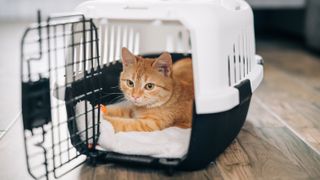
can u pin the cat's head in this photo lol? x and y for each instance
(144, 81)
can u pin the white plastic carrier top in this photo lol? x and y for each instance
(218, 33)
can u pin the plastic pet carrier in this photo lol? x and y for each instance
(73, 58)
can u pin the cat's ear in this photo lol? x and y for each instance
(163, 64)
(127, 57)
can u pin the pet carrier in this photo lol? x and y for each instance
(75, 58)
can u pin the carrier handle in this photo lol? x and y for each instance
(56, 16)
(231, 4)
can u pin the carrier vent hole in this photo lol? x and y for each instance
(113, 37)
(240, 59)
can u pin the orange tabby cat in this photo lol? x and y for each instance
(159, 94)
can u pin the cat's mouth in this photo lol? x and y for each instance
(137, 102)
(142, 103)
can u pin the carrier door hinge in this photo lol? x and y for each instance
(36, 106)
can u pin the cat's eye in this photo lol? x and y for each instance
(130, 83)
(149, 86)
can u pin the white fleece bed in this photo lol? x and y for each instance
(171, 142)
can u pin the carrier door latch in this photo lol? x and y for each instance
(36, 106)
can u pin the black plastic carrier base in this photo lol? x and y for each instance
(211, 133)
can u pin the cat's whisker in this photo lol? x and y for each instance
(109, 94)
(115, 93)
(114, 87)
(141, 103)
(117, 99)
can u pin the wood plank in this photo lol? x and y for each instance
(124, 172)
(267, 160)
(291, 90)
(302, 66)
(290, 144)
(295, 150)
(234, 163)
(266, 149)
(259, 117)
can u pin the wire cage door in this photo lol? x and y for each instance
(55, 54)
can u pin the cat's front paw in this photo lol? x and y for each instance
(103, 109)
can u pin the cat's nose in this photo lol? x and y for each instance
(135, 97)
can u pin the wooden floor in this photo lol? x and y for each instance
(280, 139)
(291, 89)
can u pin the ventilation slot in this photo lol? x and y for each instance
(113, 37)
(240, 59)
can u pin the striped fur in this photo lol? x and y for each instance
(168, 104)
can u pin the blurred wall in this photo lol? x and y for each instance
(26, 9)
(276, 4)
(280, 21)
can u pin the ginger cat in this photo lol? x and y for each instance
(159, 95)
